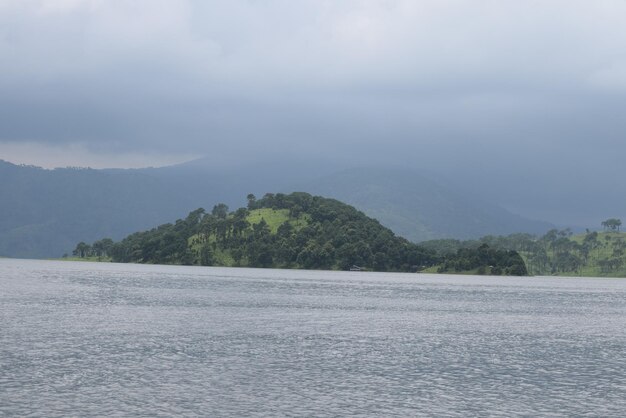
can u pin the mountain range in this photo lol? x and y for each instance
(44, 213)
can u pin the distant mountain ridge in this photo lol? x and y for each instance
(419, 208)
(43, 213)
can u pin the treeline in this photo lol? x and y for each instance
(294, 231)
(101, 248)
(558, 252)
(484, 260)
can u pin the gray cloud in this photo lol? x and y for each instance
(531, 89)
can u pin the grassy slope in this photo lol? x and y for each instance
(274, 219)
(592, 269)
(601, 253)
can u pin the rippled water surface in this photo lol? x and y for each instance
(82, 339)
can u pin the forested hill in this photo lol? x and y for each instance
(290, 231)
(558, 252)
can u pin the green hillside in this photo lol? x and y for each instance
(292, 231)
(274, 218)
(593, 254)
(285, 231)
(558, 252)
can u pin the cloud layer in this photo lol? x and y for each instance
(489, 86)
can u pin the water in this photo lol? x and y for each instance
(83, 339)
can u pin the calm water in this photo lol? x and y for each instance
(106, 339)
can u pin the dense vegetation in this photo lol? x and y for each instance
(294, 231)
(484, 260)
(558, 252)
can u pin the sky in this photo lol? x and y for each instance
(533, 89)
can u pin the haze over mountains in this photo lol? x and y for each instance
(44, 213)
(502, 104)
(418, 207)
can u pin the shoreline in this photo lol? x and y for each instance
(95, 260)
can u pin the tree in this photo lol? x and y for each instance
(102, 248)
(207, 227)
(611, 224)
(82, 250)
(251, 200)
(240, 223)
(222, 227)
(220, 210)
(206, 256)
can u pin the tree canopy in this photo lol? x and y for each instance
(611, 224)
(294, 230)
(557, 252)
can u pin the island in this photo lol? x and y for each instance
(294, 230)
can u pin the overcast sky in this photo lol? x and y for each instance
(523, 100)
(131, 83)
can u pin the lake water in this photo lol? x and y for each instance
(85, 339)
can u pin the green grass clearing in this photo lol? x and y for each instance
(276, 217)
